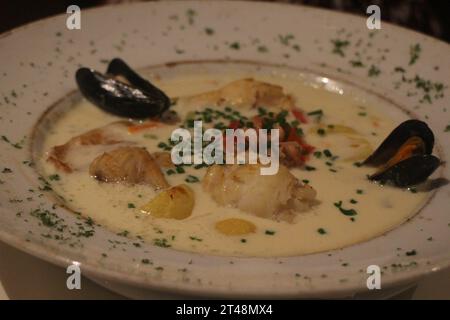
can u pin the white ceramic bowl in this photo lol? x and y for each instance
(39, 61)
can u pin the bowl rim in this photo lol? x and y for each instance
(39, 251)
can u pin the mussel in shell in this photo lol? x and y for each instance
(121, 91)
(405, 157)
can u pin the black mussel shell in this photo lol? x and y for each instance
(405, 131)
(132, 98)
(118, 67)
(409, 172)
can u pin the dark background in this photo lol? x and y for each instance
(427, 16)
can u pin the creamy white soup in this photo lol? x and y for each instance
(343, 127)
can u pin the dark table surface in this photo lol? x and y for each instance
(427, 16)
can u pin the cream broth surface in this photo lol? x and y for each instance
(116, 206)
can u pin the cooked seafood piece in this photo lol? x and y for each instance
(163, 159)
(132, 165)
(244, 93)
(122, 91)
(277, 196)
(404, 158)
(64, 156)
(409, 172)
(291, 154)
(423, 142)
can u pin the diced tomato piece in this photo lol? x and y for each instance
(307, 147)
(299, 115)
(257, 122)
(293, 136)
(234, 124)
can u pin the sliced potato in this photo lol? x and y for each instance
(163, 159)
(174, 203)
(235, 227)
(359, 147)
(362, 148)
(338, 128)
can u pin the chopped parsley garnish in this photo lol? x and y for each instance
(209, 31)
(195, 239)
(191, 13)
(54, 177)
(346, 212)
(374, 71)
(321, 231)
(359, 191)
(327, 153)
(235, 46)
(285, 39)
(179, 169)
(262, 49)
(17, 145)
(46, 186)
(339, 46)
(161, 243)
(412, 190)
(270, 232)
(48, 219)
(124, 233)
(357, 63)
(411, 253)
(191, 179)
(164, 146)
(353, 201)
(430, 90)
(131, 206)
(414, 53)
(316, 113)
